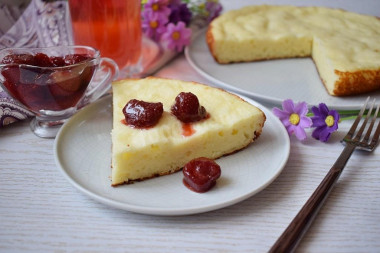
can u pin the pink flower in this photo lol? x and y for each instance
(177, 36)
(294, 118)
(153, 28)
(156, 9)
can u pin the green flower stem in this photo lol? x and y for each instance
(354, 112)
(351, 113)
(347, 118)
(346, 115)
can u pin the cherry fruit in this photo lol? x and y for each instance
(141, 114)
(187, 108)
(200, 174)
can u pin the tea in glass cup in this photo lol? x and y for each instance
(113, 27)
(54, 82)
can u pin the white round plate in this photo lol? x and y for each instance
(269, 81)
(82, 152)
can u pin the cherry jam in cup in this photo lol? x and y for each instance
(54, 82)
(40, 82)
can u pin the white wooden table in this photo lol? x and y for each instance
(41, 212)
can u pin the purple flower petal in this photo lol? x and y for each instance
(324, 135)
(301, 108)
(318, 121)
(323, 131)
(291, 129)
(300, 133)
(153, 28)
(305, 122)
(317, 131)
(177, 36)
(336, 116)
(279, 113)
(157, 8)
(179, 12)
(175, 2)
(316, 111)
(288, 106)
(286, 122)
(214, 9)
(323, 109)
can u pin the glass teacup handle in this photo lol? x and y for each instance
(107, 72)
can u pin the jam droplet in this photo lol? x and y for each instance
(187, 108)
(187, 129)
(200, 174)
(141, 114)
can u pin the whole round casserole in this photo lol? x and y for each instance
(345, 46)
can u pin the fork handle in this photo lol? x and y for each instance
(293, 234)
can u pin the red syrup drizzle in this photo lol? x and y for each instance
(187, 129)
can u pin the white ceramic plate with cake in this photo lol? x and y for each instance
(83, 154)
(270, 81)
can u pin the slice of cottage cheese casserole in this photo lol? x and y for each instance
(137, 154)
(345, 46)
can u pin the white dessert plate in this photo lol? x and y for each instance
(82, 152)
(269, 81)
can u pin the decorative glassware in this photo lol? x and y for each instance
(54, 82)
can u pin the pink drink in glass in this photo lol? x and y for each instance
(112, 26)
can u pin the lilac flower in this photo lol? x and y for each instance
(156, 9)
(179, 12)
(325, 121)
(214, 9)
(294, 118)
(153, 28)
(175, 2)
(177, 36)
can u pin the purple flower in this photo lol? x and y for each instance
(325, 121)
(156, 9)
(213, 9)
(294, 118)
(153, 28)
(175, 2)
(179, 12)
(177, 36)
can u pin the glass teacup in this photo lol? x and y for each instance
(62, 83)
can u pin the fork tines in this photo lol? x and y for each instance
(365, 142)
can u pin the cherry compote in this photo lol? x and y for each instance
(141, 114)
(42, 82)
(187, 108)
(200, 174)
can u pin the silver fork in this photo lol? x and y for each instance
(293, 234)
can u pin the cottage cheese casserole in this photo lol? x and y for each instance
(345, 46)
(138, 154)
